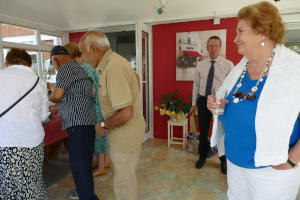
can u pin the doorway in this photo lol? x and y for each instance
(135, 48)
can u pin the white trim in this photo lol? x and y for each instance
(38, 47)
(39, 59)
(1, 51)
(106, 28)
(292, 25)
(51, 30)
(127, 25)
(140, 27)
(43, 47)
(1, 57)
(19, 45)
(151, 109)
(65, 38)
(116, 27)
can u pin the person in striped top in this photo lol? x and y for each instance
(74, 93)
(121, 109)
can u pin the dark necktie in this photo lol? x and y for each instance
(210, 78)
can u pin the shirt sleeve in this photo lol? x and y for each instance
(45, 110)
(64, 77)
(118, 87)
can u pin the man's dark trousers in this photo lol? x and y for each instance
(204, 117)
(81, 145)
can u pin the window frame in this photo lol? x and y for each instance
(39, 47)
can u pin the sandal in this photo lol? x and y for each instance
(97, 173)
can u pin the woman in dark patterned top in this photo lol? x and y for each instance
(74, 93)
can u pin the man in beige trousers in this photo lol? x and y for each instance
(121, 108)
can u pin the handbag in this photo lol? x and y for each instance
(22, 97)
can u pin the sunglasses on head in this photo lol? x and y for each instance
(244, 95)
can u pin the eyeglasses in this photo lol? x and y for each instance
(244, 95)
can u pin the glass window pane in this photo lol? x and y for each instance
(18, 34)
(33, 55)
(51, 40)
(49, 72)
(34, 59)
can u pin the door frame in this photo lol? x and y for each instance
(140, 28)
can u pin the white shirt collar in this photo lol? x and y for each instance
(22, 67)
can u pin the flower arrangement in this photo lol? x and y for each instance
(173, 106)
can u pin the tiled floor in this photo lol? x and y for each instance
(163, 174)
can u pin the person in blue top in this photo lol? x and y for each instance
(261, 118)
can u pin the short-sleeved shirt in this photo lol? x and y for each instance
(118, 89)
(77, 105)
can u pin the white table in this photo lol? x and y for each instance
(171, 124)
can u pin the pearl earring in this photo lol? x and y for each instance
(262, 43)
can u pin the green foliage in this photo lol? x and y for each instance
(172, 102)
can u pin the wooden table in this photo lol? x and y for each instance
(54, 136)
(53, 130)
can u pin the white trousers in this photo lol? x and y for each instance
(262, 184)
(124, 174)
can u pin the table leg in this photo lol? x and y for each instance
(168, 135)
(172, 140)
(183, 135)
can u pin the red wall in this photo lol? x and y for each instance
(164, 62)
(75, 37)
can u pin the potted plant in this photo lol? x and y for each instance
(173, 106)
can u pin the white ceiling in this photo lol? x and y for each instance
(74, 15)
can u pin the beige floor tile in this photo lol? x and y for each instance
(163, 174)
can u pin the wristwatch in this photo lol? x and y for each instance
(291, 163)
(102, 124)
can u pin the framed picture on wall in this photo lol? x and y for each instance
(191, 49)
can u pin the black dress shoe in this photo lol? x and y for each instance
(223, 166)
(200, 163)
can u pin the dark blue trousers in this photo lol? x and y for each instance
(81, 145)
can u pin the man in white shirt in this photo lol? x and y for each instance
(209, 75)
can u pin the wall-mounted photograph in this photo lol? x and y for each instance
(191, 48)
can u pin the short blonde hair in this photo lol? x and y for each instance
(73, 50)
(265, 19)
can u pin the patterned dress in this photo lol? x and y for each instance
(21, 173)
(101, 142)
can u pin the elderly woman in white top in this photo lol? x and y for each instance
(261, 118)
(21, 130)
